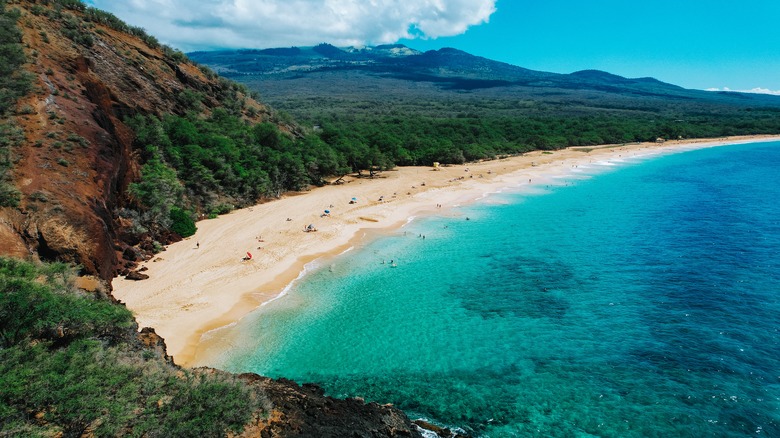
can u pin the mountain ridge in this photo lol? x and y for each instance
(442, 63)
(447, 105)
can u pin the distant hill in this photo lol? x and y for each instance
(448, 68)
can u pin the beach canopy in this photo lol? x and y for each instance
(248, 256)
(354, 199)
(327, 211)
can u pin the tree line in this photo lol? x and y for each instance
(210, 165)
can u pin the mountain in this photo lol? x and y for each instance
(446, 105)
(399, 71)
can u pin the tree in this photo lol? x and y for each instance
(158, 191)
(182, 223)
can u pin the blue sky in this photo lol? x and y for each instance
(693, 43)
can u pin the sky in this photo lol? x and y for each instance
(702, 44)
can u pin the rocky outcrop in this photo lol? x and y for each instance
(304, 411)
(136, 275)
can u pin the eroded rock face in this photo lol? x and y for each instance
(151, 340)
(77, 160)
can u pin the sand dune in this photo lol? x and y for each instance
(202, 283)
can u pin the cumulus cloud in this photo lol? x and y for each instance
(197, 24)
(756, 90)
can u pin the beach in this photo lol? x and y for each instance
(203, 283)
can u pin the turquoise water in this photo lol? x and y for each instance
(644, 301)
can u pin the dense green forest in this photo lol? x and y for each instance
(220, 162)
(416, 122)
(420, 140)
(450, 106)
(71, 363)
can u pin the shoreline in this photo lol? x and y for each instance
(200, 284)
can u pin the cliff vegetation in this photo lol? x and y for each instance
(72, 363)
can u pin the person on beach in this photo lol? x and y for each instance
(197, 245)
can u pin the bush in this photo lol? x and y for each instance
(182, 223)
(26, 110)
(9, 195)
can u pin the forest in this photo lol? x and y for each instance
(220, 162)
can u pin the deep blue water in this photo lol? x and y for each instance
(644, 301)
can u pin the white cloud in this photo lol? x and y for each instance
(756, 90)
(192, 25)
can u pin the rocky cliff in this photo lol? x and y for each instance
(77, 158)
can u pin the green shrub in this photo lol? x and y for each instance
(189, 99)
(26, 110)
(182, 223)
(9, 195)
(38, 196)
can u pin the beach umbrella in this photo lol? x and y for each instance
(248, 255)
(327, 211)
(354, 199)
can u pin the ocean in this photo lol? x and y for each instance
(628, 298)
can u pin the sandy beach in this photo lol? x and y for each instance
(203, 283)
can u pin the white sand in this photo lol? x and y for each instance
(193, 290)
